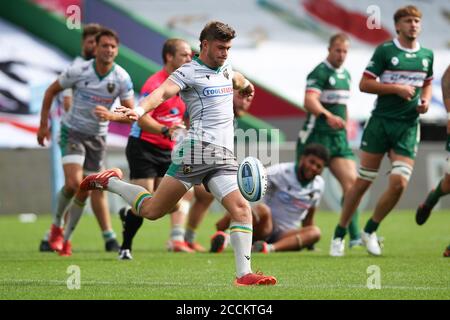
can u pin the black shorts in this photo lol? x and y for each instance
(146, 160)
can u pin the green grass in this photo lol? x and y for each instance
(412, 266)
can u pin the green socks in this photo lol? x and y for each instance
(371, 226)
(353, 228)
(339, 232)
(434, 195)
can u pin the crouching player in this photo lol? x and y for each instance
(294, 193)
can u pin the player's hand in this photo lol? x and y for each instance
(43, 134)
(127, 112)
(423, 106)
(102, 113)
(248, 91)
(174, 128)
(335, 122)
(406, 92)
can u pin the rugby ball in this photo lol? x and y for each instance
(252, 179)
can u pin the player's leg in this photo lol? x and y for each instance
(74, 214)
(292, 240)
(201, 203)
(143, 203)
(398, 180)
(367, 173)
(95, 158)
(442, 189)
(225, 190)
(178, 215)
(131, 222)
(100, 207)
(404, 138)
(345, 172)
(72, 177)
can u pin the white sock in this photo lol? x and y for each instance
(177, 232)
(75, 212)
(241, 240)
(61, 208)
(131, 193)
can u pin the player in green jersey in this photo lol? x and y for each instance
(443, 187)
(327, 93)
(404, 71)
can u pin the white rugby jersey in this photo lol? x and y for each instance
(76, 61)
(288, 200)
(208, 95)
(90, 90)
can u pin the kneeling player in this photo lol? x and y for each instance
(294, 192)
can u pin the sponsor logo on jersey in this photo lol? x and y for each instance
(425, 64)
(403, 77)
(95, 99)
(218, 91)
(410, 55)
(287, 199)
(394, 61)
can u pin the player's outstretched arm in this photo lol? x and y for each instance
(43, 131)
(167, 90)
(104, 114)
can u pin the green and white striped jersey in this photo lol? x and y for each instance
(333, 85)
(393, 64)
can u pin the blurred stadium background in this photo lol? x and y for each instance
(278, 43)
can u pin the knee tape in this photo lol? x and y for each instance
(367, 174)
(402, 168)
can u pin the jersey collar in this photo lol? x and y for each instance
(329, 65)
(398, 45)
(196, 58)
(104, 76)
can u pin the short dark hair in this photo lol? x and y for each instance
(317, 150)
(105, 32)
(91, 29)
(338, 37)
(216, 30)
(170, 47)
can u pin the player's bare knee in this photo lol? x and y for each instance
(241, 211)
(149, 211)
(315, 233)
(72, 185)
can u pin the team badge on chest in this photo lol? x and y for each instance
(110, 86)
